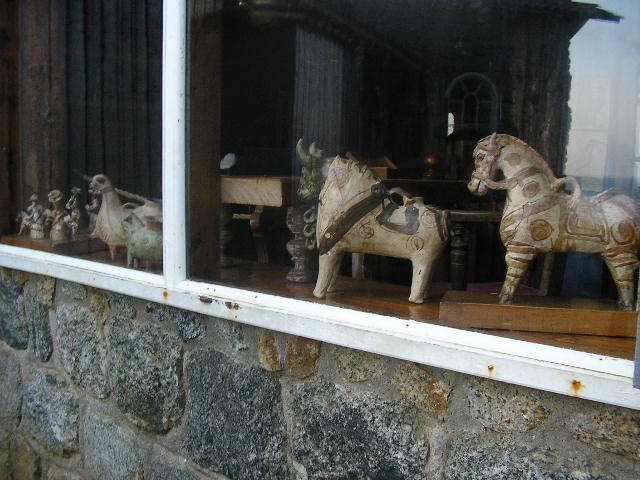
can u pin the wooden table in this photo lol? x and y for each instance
(258, 192)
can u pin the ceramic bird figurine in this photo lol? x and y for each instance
(109, 219)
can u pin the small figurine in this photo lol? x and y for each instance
(92, 209)
(540, 217)
(54, 217)
(109, 219)
(144, 242)
(311, 177)
(72, 219)
(357, 214)
(25, 218)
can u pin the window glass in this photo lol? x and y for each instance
(342, 152)
(81, 129)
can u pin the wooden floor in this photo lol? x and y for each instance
(389, 299)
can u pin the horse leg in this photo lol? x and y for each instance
(420, 278)
(622, 267)
(328, 264)
(336, 272)
(517, 265)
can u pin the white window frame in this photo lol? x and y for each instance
(569, 372)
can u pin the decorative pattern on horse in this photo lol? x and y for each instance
(540, 217)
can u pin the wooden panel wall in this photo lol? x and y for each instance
(90, 93)
(8, 113)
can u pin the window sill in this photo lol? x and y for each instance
(585, 375)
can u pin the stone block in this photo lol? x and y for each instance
(231, 334)
(489, 457)
(73, 290)
(121, 305)
(45, 289)
(13, 327)
(166, 466)
(146, 374)
(268, 353)
(10, 391)
(613, 429)
(424, 390)
(302, 356)
(234, 419)
(110, 451)
(5, 451)
(27, 464)
(57, 473)
(50, 411)
(338, 433)
(501, 407)
(36, 311)
(358, 366)
(189, 325)
(82, 347)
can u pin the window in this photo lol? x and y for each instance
(84, 84)
(244, 82)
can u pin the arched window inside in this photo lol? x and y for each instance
(472, 104)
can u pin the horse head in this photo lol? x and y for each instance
(484, 156)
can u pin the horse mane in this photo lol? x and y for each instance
(532, 153)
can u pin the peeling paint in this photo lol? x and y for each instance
(205, 299)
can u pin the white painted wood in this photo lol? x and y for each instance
(174, 140)
(569, 372)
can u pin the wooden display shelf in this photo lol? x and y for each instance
(80, 245)
(388, 299)
(576, 316)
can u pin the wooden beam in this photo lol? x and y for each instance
(8, 114)
(204, 92)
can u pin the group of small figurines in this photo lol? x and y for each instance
(135, 226)
(57, 223)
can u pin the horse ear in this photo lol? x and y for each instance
(492, 140)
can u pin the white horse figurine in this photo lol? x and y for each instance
(357, 214)
(539, 217)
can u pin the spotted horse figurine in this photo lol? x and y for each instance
(539, 217)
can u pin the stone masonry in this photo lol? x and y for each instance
(95, 385)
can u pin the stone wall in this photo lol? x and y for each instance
(95, 385)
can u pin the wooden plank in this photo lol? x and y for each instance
(8, 114)
(537, 314)
(204, 93)
(34, 99)
(80, 245)
(58, 122)
(76, 81)
(249, 190)
(154, 106)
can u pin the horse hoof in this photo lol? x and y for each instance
(416, 300)
(627, 307)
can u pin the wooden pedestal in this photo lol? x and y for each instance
(80, 245)
(537, 314)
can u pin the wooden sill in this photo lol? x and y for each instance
(391, 300)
